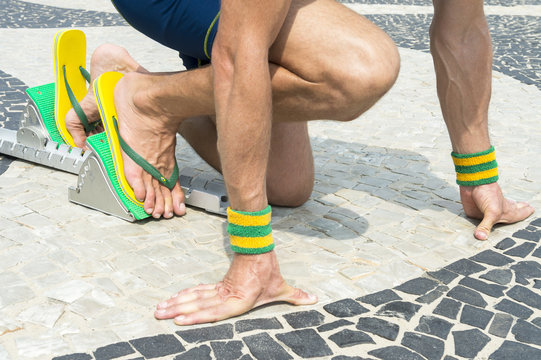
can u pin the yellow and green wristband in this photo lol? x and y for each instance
(250, 232)
(476, 169)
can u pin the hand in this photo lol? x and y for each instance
(487, 203)
(252, 280)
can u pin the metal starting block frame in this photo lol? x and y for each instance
(94, 189)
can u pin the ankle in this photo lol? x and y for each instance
(149, 99)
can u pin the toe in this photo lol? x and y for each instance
(159, 203)
(150, 198)
(179, 208)
(168, 202)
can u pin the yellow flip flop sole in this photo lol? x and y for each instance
(69, 53)
(104, 87)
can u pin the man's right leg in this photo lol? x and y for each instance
(360, 64)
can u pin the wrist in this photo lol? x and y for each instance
(476, 169)
(250, 233)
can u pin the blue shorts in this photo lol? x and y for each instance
(188, 26)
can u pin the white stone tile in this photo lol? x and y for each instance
(70, 291)
(43, 314)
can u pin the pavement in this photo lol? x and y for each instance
(383, 240)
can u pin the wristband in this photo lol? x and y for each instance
(250, 232)
(476, 169)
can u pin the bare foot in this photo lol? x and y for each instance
(252, 280)
(106, 57)
(152, 135)
(487, 203)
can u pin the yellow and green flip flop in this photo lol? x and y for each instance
(108, 146)
(69, 53)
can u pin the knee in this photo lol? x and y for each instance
(289, 194)
(364, 77)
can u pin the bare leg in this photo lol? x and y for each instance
(290, 172)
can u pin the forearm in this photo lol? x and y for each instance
(243, 111)
(462, 53)
(242, 90)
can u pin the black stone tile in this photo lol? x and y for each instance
(537, 321)
(526, 332)
(156, 346)
(468, 343)
(78, 356)
(379, 327)
(522, 250)
(448, 357)
(475, 317)
(379, 298)
(400, 309)
(537, 284)
(527, 270)
(138, 358)
(525, 296)
(505, 244)
(501, 324)
(481, 286)
(537, 252)
(428, 346)
(435, 326)
(199, 335)
(263, 347)
(433, 295)
(345, 357)
(467, 295)
(246, 357)
(515, 351)
(419, 286)
(305, 343)
(200, 353)
(465, 267)
(257, 324)
(528, 235)
(347, 338)
(227, 350)
(514, 309)
(394, 353)
(113, 351)
(345, 308)
(448, 308)
(304, 319)
(492, 258)
(536, 222)
(334, 325)
(499, 276)
(442, 275)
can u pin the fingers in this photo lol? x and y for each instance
(516, 211)
(297, 296)
(512, 212)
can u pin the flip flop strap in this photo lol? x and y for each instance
(73, 100)
(169, 183)
(85, 74)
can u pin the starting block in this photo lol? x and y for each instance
(37, 141)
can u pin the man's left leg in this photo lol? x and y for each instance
(290, 171)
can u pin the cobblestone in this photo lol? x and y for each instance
(385, 209)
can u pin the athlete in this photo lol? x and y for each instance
(274, 65)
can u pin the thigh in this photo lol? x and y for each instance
(324, 34)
